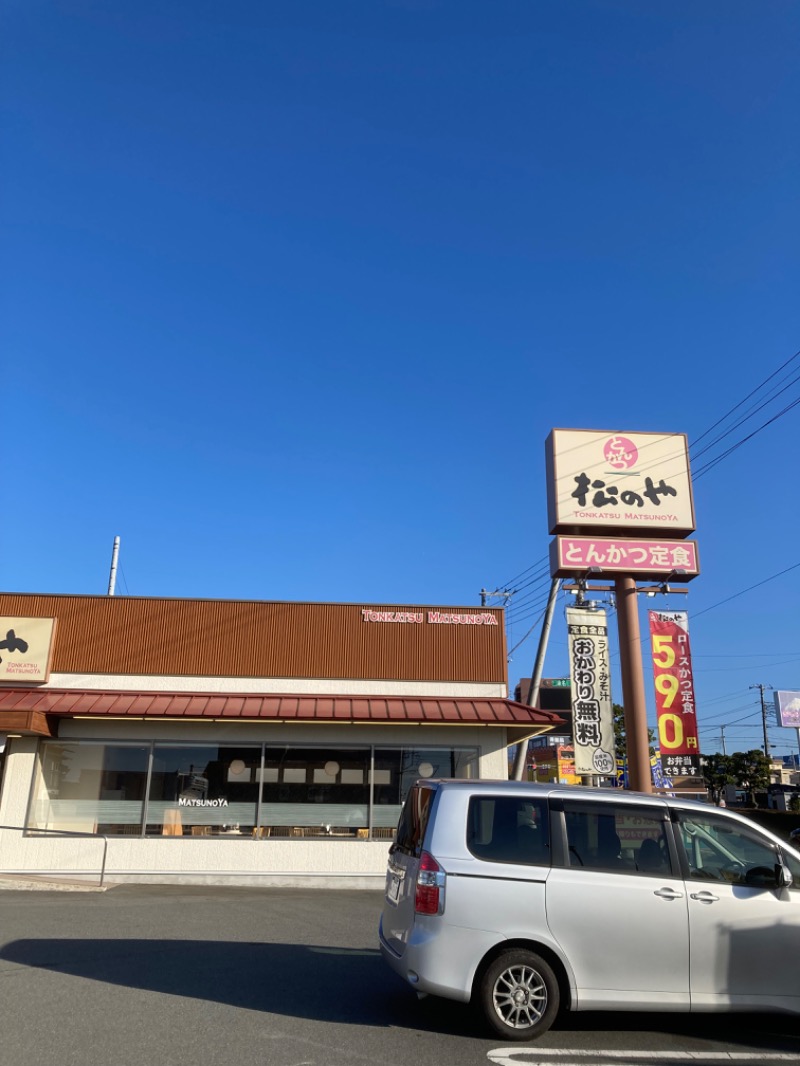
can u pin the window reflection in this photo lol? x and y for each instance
(322, 792)
(212, 790)
(396, 770)
(203, 790)
(89, 788)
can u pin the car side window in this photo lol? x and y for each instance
(509, 829)
(621, 838)
(413, 820)
(718, 849)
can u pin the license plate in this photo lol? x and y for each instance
(394, 888)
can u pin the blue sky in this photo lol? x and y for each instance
(293, 292)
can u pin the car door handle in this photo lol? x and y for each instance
(704, 897)
(668, 893)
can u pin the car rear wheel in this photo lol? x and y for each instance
(519, 995)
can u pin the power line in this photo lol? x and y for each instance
(752, 410)
(750, 589)
(520, 606)
(744, 655)
(507, 584)
(713, 462)
(519, 643)
(739, 404)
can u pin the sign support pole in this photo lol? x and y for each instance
(633, 695)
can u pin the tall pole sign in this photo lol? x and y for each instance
(620, 506)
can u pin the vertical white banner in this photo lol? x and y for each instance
(592, 715)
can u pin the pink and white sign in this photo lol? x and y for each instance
(620, 555)
(787, 706)
(631, 483)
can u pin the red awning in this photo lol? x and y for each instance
(40, 705)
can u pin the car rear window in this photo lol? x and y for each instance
(509, 829)
(414, 820)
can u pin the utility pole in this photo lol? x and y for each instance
(763, 715)
(533, 691)
(505, 593)
(722, 738)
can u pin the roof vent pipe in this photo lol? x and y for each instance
(112, 577)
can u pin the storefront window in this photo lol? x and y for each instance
(315, 792)
(203, 790)
(89, 788)
(396, 770)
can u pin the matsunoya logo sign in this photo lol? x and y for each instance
(440, 618)
(26, 645)
(634, 482)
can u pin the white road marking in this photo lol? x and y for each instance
(528, 1056)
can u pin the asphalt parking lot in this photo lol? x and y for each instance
(163, 975)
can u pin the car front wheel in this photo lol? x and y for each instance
(519, 995)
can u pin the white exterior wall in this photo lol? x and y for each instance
(216, 860)
(283, 686)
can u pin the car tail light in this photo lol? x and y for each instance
(429, 898)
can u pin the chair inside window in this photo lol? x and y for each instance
(172, 826)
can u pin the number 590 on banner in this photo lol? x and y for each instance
(674, 685)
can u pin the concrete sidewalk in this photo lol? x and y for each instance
(8, 882)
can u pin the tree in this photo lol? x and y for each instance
(751, 772)
(718, 771)
(621, 737)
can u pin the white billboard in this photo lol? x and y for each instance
(631, 483)
(787, 707)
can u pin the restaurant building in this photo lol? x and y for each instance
(237, 742)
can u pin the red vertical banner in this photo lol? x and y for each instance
(672, 672)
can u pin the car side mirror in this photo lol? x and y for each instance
(763, 876)
(783, 876)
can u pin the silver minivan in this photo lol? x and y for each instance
(528, 899)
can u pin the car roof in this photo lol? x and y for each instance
(604, 795)
(539, 788)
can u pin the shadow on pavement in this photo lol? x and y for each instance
(315, 982)
(344, 985)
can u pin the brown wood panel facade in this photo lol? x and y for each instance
(255, 638)
(28, 723)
